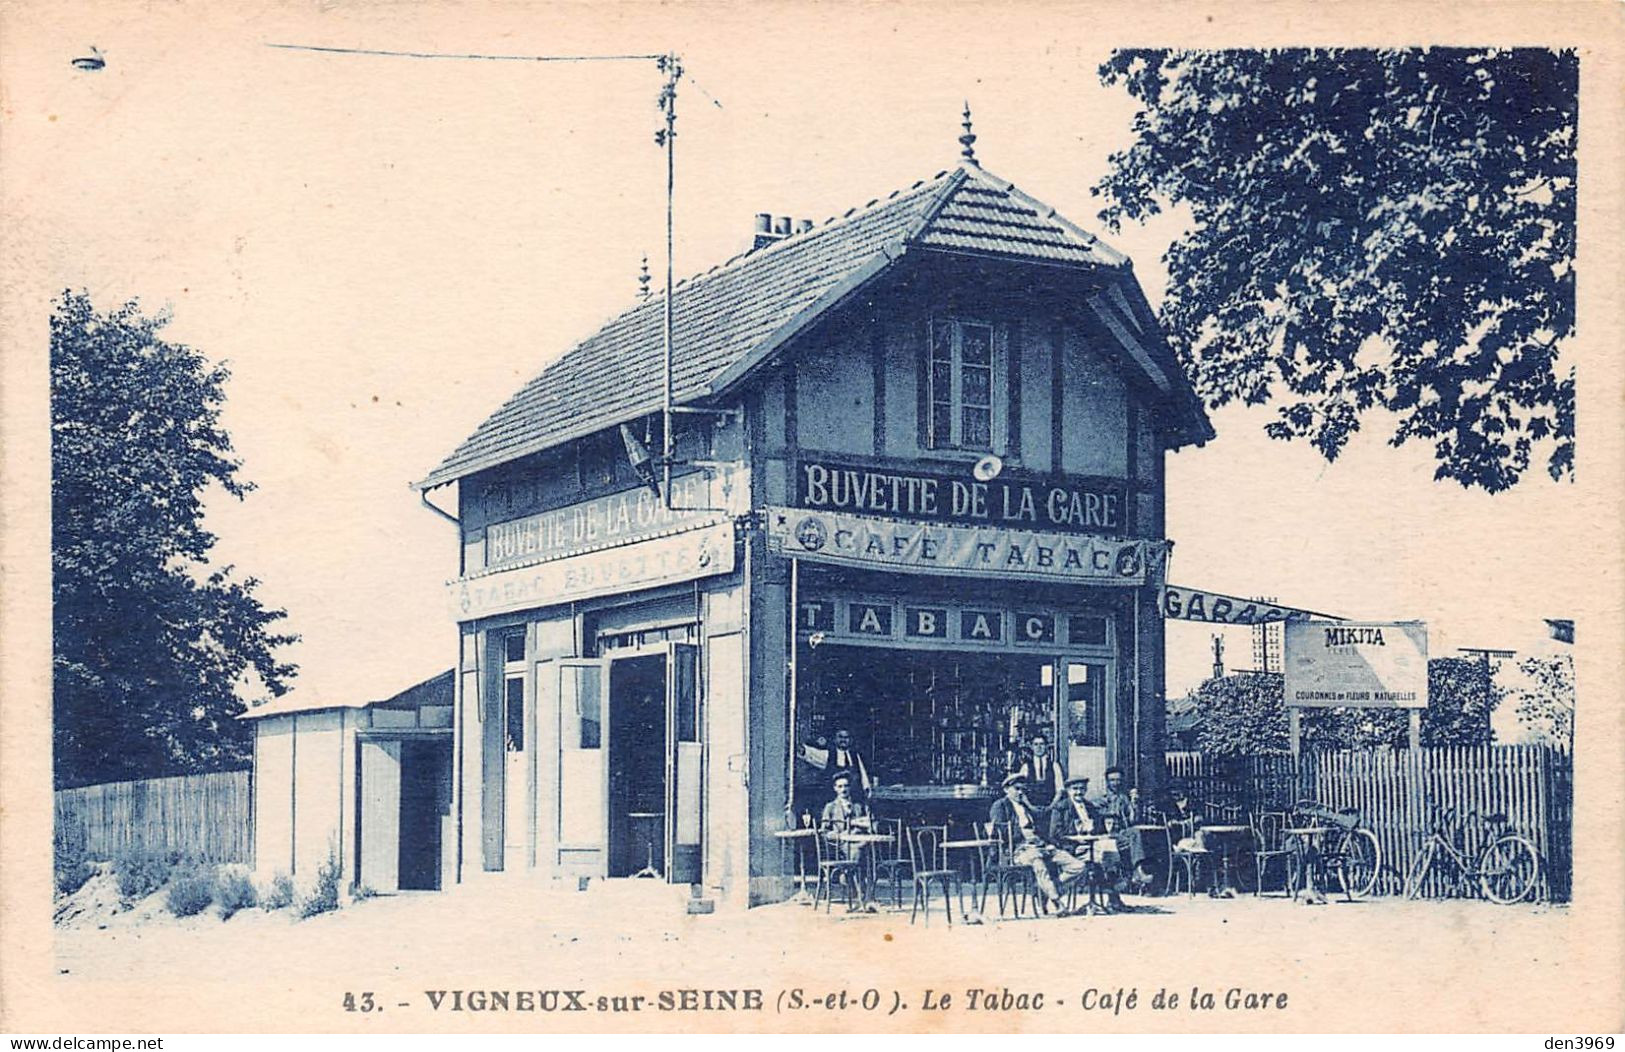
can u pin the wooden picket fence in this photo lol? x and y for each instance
(1400, 792)
(204, 816)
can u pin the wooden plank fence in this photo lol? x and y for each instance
(1400, 792)
(204, 816)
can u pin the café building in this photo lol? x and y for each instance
(918, 496)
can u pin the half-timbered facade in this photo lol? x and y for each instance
(927, 509)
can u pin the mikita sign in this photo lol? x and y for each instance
(1064, 504)
(1356, 663)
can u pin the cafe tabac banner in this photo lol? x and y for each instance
(918, 547)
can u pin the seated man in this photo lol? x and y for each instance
(1073, 815)
(1179, 806)
(843, 814)
(1052, 866)
(1120, 809)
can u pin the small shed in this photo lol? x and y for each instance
(365, 783)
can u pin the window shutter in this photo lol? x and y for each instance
(922, 383)
(1010, 341)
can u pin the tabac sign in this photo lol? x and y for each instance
(1061, 504)
(1358, 663)
(682, 556)
(918, 547)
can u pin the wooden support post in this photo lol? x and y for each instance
(1294, 716)
(1416, 728)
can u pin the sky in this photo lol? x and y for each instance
(384, 249)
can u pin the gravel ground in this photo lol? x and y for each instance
(1378, 964)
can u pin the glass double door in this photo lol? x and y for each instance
(629, 764)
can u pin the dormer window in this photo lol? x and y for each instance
(965, 386)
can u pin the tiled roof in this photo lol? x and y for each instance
(728, 318)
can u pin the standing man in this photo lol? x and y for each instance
(1052, 866)
(841, 757)
(1044, 776)
(1120, 809)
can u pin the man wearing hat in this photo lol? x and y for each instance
(1052, 866)
(1073, 815)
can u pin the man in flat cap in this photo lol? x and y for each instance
(1053, 866)
(1074, 815)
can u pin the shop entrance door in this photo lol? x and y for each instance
(630, 765)
(637, 767)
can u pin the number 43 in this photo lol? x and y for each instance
(361, 1003)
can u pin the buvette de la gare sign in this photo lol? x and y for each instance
(1061, 503)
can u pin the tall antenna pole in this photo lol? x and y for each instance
(667, 137)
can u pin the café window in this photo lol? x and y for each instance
(513, 689)
(964, 386)
(513, 700)
(928, 717)
(1085, 703)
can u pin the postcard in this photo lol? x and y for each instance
(811, 518)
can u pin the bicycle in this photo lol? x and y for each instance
(1505, 869)
(1349, 851)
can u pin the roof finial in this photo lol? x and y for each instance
(643, 279)
(968, 140)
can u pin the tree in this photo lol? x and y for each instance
(1371, 229)
(1245, 714)
(151, 644)
(1545, 702)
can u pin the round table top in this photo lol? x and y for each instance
(1308, 830)
(1226, 829)
(790, 833)
(863, 838)
(1150, 827)
(646, 814)
(1090, 838)
(968, 843)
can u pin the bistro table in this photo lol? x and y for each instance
(974, 868)
(1227, 843)
(794, 839)
(1308, 840)
(1091, 842)
(646, 821)
(861, 839)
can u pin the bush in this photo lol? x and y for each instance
(70, 866)
(279, 895)
(363, 892)
(141, 875)
(191, 889)
(324, 898)
(234, 891)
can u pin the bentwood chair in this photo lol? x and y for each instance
(893, 860)
(1191, 854)
(834, 868)
(1012, 882)
(1269, 845)
(931, 870)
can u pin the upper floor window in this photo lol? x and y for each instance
(964, 385)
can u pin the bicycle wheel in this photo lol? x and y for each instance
(1508, 869)
(1417, 875)
(1362, 860)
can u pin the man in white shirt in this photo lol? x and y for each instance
(1052, 866)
